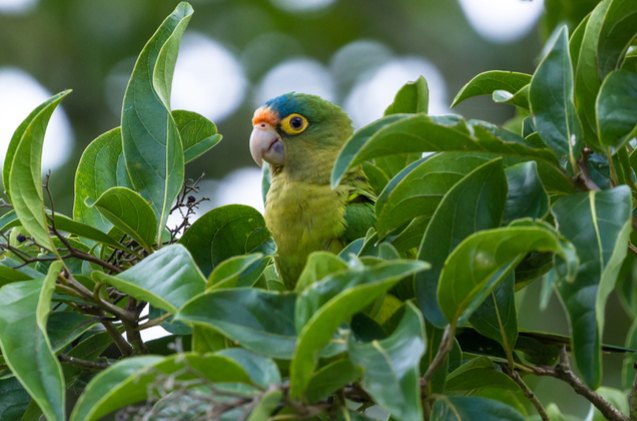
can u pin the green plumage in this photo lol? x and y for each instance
(302, 211)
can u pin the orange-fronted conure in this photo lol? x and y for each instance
(300, 136)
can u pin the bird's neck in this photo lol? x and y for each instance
(317, 171)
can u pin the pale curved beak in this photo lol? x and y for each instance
(266, 145)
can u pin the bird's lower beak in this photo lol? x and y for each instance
(266, 145)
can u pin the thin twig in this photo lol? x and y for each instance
(87, 364)
(563, 372)
(446, 344)
(124, 347)
(584, 176)
(632, 399)
(528, 393)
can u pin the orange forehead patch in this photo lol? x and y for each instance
(265, 115)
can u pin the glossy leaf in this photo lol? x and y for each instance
(24, 310)
(391, 366)
(484, 259)
(22, 173)
(526, 197)
(153, 152)
(616, 34)
(587, 78)
(323, 306)
(598, 224)
(319, 265)
(330, 378)
(130, 213)
(14, 400)
(262, 371)
(617, 109)
(224, 232)
(464, 408)
(475, 202)
(488, 82)
(551, 97)
(413, 97)
(481, 377)
(72, 226)
(198, 134)
(238, 271)
(405, 133)
(418, 189)
(496, 318)
(129, 381)
(100, 168)
(63, 327)
(166, 279)
(260, 321)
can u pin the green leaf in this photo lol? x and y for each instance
(587, 79)
(24, 310)
(260, 321)
(491, 81)
(616, 34)
(319, 265)
(266, 406)
(224, 232)
(262, 371)
(526, 197)
(130, 213)
(496, 318)
(418, 189)
(166, 279)
(484, 259)
(22, 173)
(330, 378)
(153, 152)
(405, 133)
(519, 98)
(551, 97)
(238, 271)
(462, 408)
(130, 380)
(63, 327)
(598, 224)
(617, 109)
(100, 168)
(13, 399)
(198, 134)
(475, 202)
(391, 366)
(324, 305)
(481, 377)
(66, 224)
(413, 97)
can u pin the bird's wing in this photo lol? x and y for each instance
(359, 208)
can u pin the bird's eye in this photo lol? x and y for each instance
(294, 124)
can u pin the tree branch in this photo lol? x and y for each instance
(562, 371)
(90, 365)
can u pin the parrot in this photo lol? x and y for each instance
(299, 136)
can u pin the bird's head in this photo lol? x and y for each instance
(296, 131)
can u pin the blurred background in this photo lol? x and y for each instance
(238, 53)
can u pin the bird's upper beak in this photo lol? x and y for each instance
(265, 142)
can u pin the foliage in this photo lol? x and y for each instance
(417, 319)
